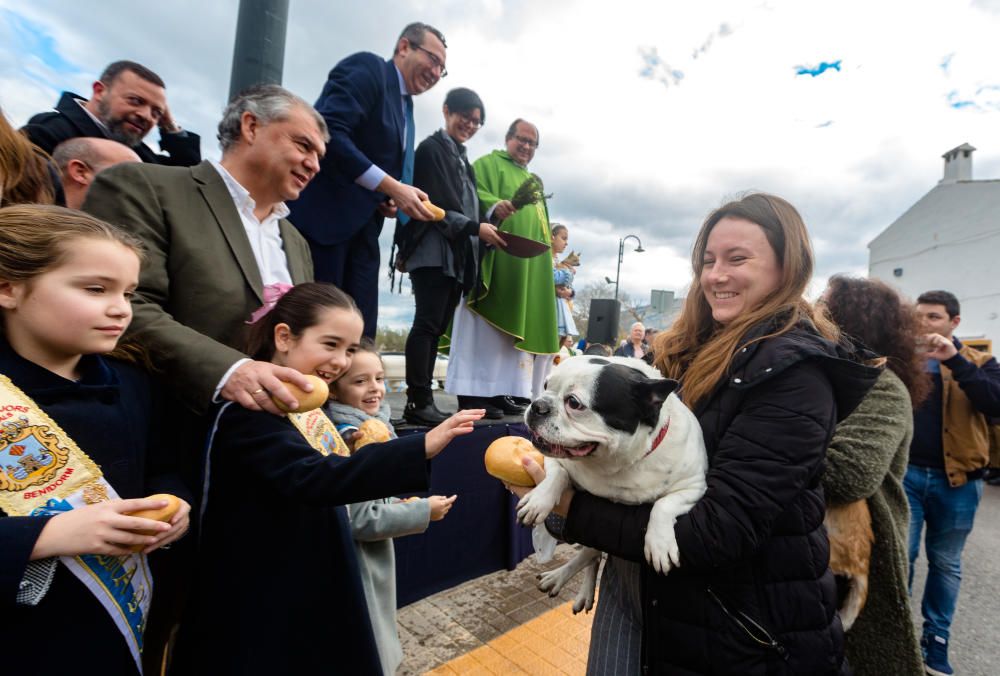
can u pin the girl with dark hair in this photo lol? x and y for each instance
(867, 460)
(441, 256)
(768, 380)
(279, 589)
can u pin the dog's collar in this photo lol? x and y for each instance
(659, 437)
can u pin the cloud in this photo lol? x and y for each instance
(622, 155)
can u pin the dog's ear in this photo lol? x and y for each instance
(649, 395)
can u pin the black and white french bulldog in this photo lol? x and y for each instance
(613, 427)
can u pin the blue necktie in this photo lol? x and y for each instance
(408, 151)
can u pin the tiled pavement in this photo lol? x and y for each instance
(488, 625)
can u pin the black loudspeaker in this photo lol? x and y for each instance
(602, 325)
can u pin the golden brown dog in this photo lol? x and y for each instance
(850, 529)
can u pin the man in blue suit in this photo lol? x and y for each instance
(366, 174)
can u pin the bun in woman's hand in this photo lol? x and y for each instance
(307, 400)
(503, 460)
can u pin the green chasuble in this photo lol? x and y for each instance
(517, 294)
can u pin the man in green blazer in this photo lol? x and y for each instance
(217, 243)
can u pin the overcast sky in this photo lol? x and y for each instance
(650, 113)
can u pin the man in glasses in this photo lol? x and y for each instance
(80, 159)
(367, 173)
(504, 338)
(127, 101)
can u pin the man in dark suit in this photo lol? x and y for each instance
(216, 235)
(127, 101)
(365, 177)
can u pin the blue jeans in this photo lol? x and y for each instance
(949, 513)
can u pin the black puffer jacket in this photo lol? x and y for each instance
(754, 594)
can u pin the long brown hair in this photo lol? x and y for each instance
(871, 311)
(697, 350)
(299, 308)
(27, 174)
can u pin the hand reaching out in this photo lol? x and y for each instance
(440, 506)
(456, 425)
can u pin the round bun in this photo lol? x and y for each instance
(164, 514)
(307, 400)
(434, 209)
(372, 431)
(503, 460)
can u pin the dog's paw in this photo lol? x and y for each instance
(661, 549)
(584, 600)
(553, 581)
(534, 507)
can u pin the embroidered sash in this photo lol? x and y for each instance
(43, 472)
(320, 432)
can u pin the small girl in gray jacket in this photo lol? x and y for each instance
(357, 396)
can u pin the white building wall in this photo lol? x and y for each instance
(969, 269)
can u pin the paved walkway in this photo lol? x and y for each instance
(502, 624)
(491, 617)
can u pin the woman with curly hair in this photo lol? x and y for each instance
(867, 460)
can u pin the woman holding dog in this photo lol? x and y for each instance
(768, 380)
(867, 461)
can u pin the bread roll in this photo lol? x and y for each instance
(307, 400)
(434, 209)
(164, 514)
(371, 432)
(503, 460)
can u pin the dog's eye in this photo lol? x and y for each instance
(573, 403)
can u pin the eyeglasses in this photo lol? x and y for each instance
(531, 143)
(473, 122)
(438, 63)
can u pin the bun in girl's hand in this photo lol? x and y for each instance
(307, 400)
(371, 431)
(503, 460)
(164, 514)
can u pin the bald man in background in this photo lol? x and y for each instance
(81, 159)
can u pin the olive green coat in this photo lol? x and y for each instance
(867, 459)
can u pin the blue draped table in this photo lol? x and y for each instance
(478, 536)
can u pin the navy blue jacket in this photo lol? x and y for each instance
(278, 588)
(111, 414)
(362, 107)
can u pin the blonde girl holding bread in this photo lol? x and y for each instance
(279, 587)
(358, 408)
(80, 445)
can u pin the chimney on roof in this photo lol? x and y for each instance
(958, 164)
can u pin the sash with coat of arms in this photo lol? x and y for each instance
(43, 472)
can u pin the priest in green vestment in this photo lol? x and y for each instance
(505, 333)
(517, 293)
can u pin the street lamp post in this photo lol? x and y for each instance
(621, 254)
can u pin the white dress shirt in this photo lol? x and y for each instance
(265, 242)
(264, 236)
